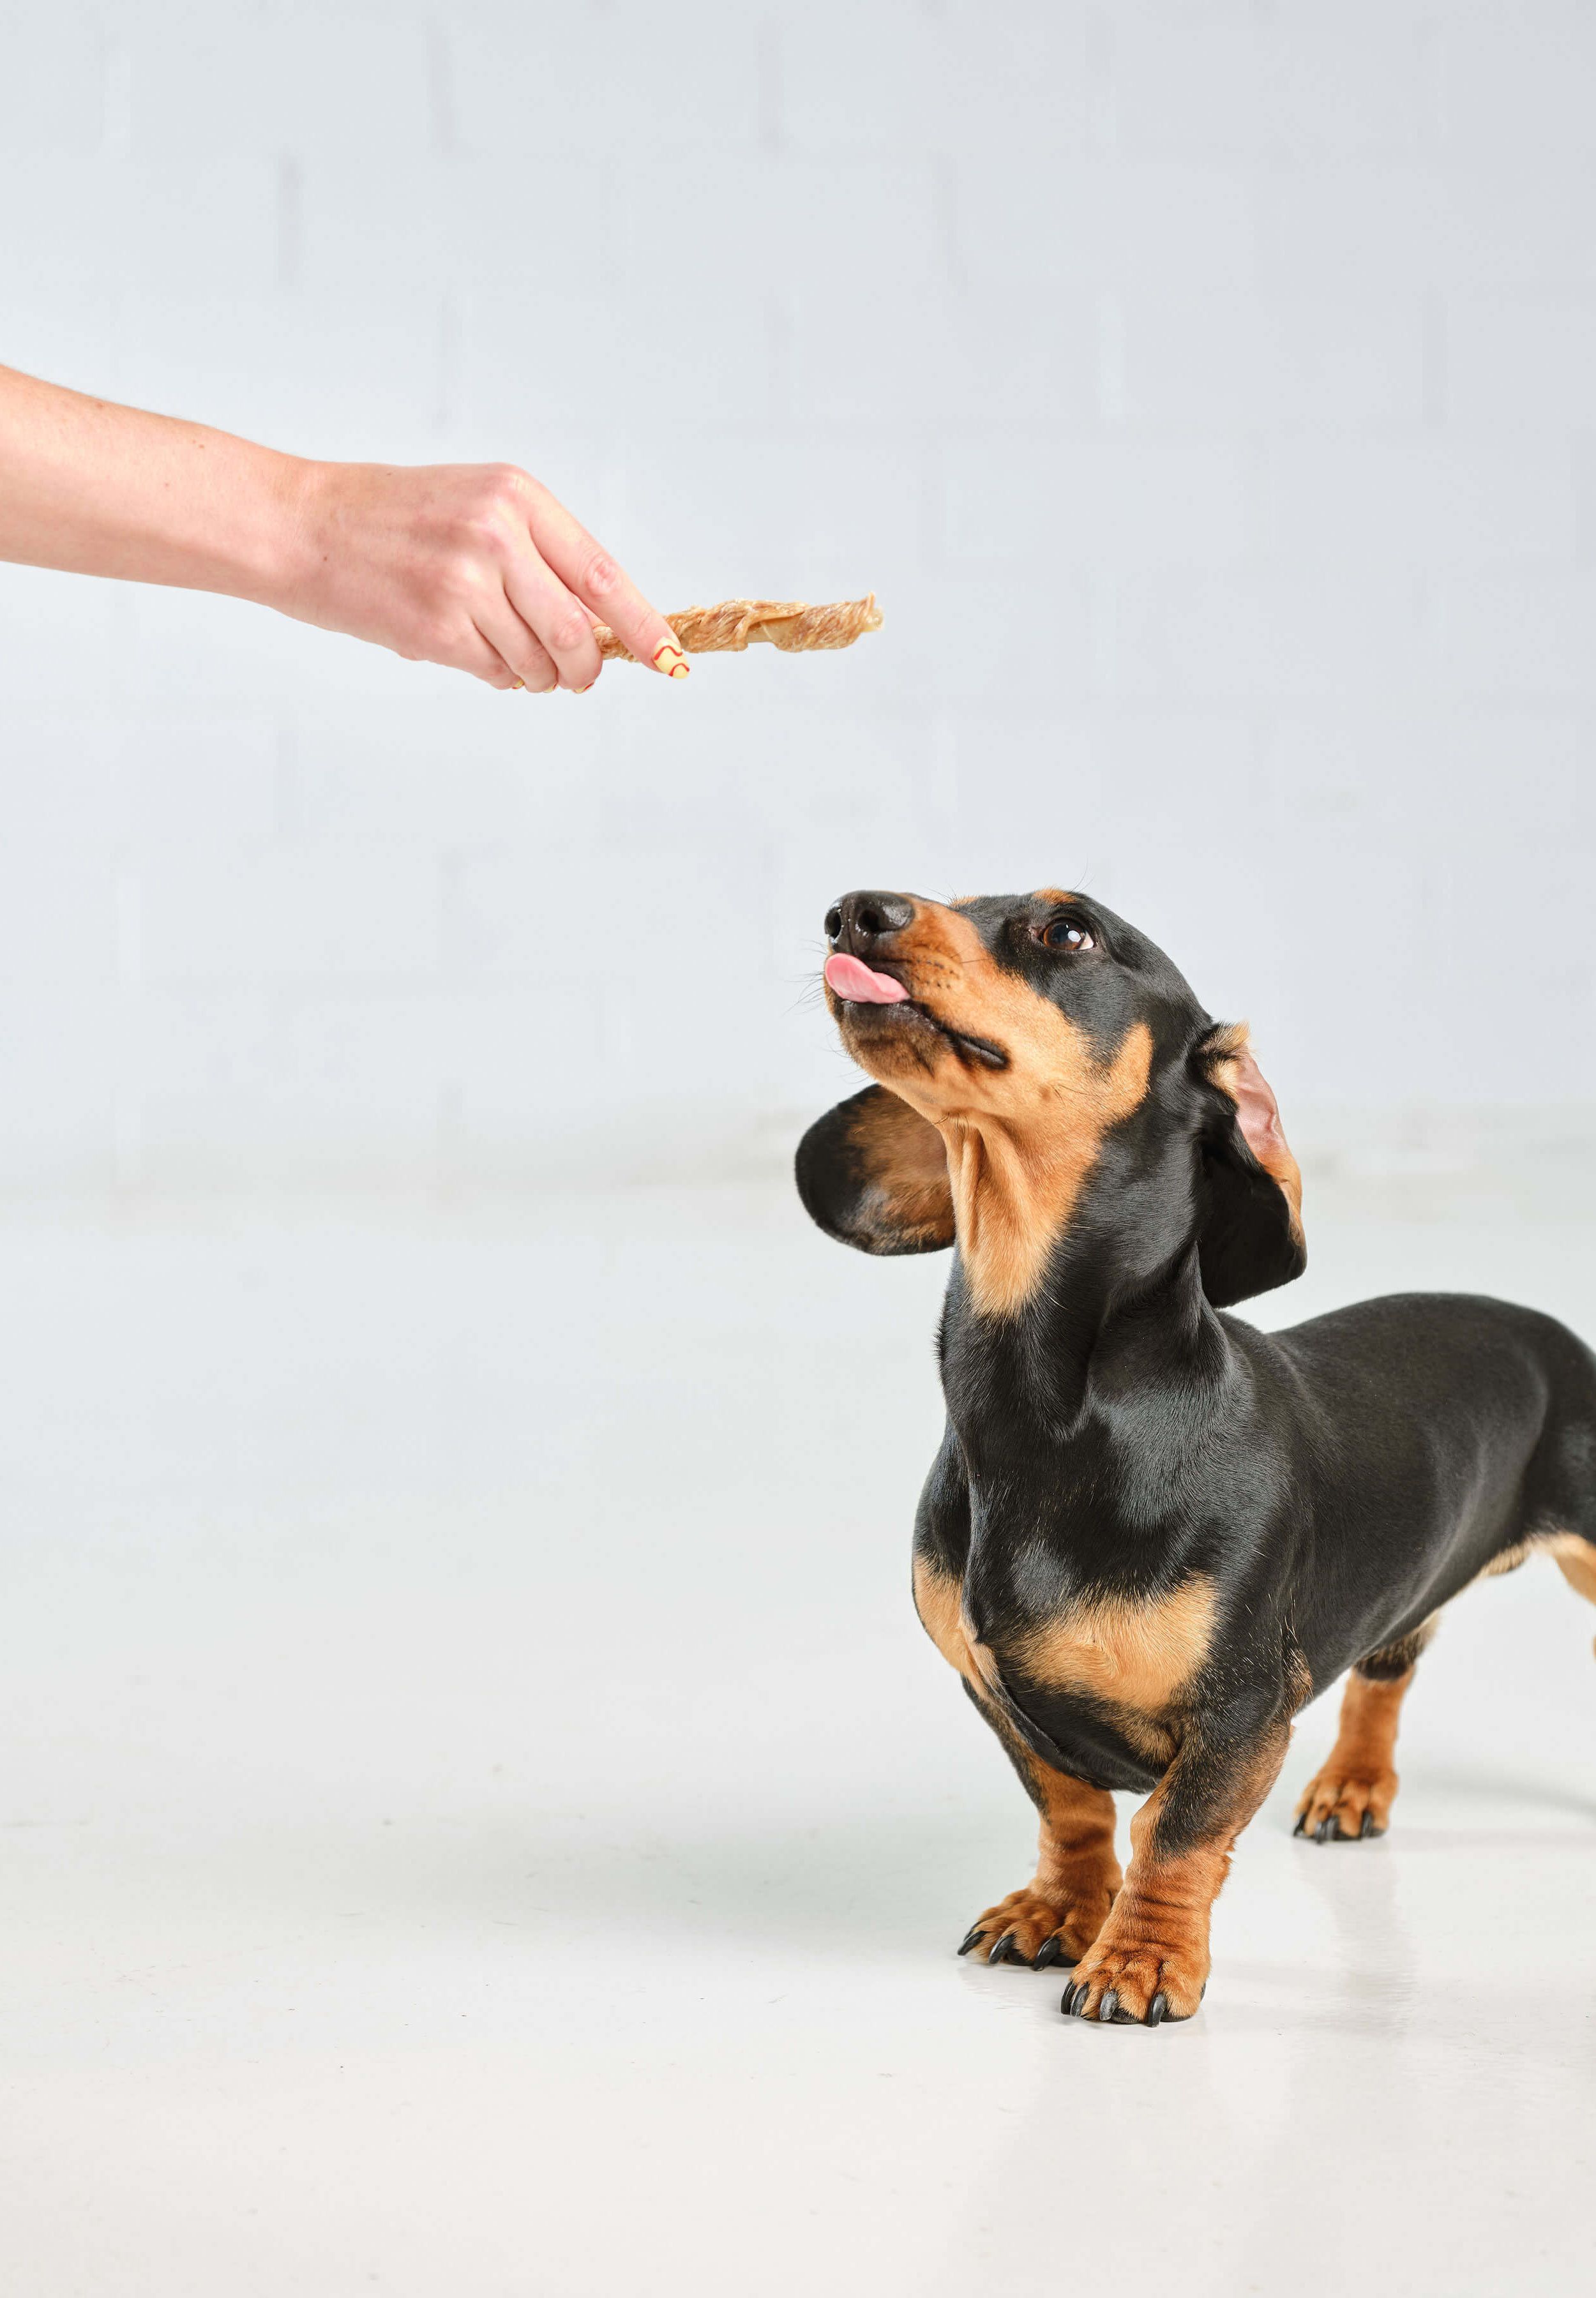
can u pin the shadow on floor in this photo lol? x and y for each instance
(854, 1881)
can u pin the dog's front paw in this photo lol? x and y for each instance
(1027, 1928)
(1341, 1804)
(1126, 1980)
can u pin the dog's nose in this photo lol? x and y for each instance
(859, 922)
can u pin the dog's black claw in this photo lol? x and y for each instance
(1368, 1827)
(1301, 1826)
(1075, 1999)
(1002, 1949)
(1328, 1831)
(1157, 2007)
(1048, 1952)
(971, 1938)
(1108, 2010)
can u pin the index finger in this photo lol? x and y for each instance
(603, 587)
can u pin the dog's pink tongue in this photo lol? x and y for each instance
(851, 979)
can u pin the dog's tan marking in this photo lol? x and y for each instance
(909, 1199)
(1015, 1185)
(1128, 1655)
(938, 1598)
(1576, 1559)
(1020, 1140)
(1508, 1560)
(1234, 1069)
(1156, 1941)
(1078, 1829)
(1077, 1873)
(1555, 1544)
(1358, 1783)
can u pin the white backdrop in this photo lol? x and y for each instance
(1208, 392)
(469, 1752)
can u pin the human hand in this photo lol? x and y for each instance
(474, 566)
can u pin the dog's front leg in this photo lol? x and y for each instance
(1150, 1961)
(1055, 1917)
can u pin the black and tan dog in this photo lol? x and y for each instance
(1152, 1533)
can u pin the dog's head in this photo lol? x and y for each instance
(1030, 1049)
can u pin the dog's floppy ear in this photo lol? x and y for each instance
(874, 1174)
(1250, 1232)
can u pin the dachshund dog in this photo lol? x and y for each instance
(1153, 1533)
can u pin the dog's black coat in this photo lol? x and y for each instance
(1340, 1481)
(1336, 1483)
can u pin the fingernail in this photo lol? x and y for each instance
(587, 688)
(669, 658)
(519, 687)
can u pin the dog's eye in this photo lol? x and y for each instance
(1063, 933)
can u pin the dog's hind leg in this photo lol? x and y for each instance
(1351, 1795)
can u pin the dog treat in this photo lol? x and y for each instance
(739, 623)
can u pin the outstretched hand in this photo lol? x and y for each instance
(475, 565)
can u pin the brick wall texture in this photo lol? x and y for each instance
(1208, 394)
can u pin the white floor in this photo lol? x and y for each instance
(479, 1816)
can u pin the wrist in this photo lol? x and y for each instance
(281, 549)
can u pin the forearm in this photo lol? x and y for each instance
(97, 489)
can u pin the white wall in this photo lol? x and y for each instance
(1208, 392)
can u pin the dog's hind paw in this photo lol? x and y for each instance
(1027, 1929)
(1342, 1807)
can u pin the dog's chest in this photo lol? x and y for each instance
(1131, 1656)
(1126, 1652)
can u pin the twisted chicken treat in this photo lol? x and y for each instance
(739, 623)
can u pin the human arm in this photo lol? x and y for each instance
(474, 566)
